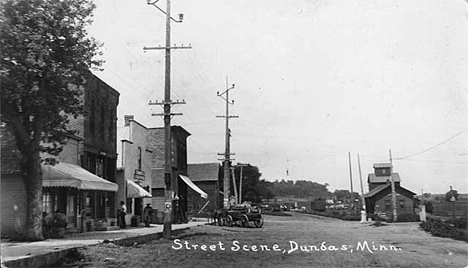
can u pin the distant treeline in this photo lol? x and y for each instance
(309, 190)
(255, 189)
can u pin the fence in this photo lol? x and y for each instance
(444, 208)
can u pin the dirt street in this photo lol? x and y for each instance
(297, 241)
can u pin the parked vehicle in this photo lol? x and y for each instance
(318, 205)
(243, 214)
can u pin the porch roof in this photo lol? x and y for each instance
(70, 175)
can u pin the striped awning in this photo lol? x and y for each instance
(70, 175)
(193, 186)
(136, 191)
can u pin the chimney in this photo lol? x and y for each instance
(127, 119)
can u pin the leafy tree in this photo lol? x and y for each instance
(300, 189)
(450, 194)
(253, 189)
(427, 195)
(45, 49)
(344, 195)
(429, 206)
(266, 189)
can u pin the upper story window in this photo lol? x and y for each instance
(110, 132)
(387, 204)
(103, 117)
(382, 171)
(92, 117)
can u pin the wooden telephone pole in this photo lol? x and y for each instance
(167, 103)
(227, 153)
(394, 205)
(351, 180)
(360, 179)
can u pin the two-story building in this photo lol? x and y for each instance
(379, 198)
(179, 171)
(133, 167)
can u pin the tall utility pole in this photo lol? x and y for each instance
(169, 180)
(227, 153)
(395, 217)
(351, 180)
(360, 179)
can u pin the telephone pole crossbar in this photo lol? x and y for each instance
(174, 47)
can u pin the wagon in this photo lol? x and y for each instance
(243, 214)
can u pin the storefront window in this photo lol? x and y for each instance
(47, 203)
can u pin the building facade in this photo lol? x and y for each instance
(98, 151)
(379, 198)
(179, 170)
(208, 177)
(133, 167)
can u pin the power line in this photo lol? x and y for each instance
(435, 146)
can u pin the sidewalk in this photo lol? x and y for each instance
(47, 252)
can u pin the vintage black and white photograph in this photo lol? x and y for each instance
(241, 133)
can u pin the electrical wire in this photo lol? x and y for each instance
(432, 147)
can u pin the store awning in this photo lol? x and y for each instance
(70, 175)
(136, 191)
(193, 186)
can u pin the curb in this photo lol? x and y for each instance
(51, 258)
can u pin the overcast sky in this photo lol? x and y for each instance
(313, 79)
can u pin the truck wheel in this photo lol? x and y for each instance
(229, 221)
(245, 221)
(259, 223)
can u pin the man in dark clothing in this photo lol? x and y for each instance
(147, 212)
(123, 212)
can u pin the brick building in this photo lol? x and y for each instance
(379, 198)
(179, 175)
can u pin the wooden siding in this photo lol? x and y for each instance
(13, 205)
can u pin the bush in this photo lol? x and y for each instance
(442, 229)
(458, 223)
(429, 207)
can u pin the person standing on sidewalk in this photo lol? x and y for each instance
(147, 212)
(123, 212)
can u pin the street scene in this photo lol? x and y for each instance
(216, 133)
(301, 240)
